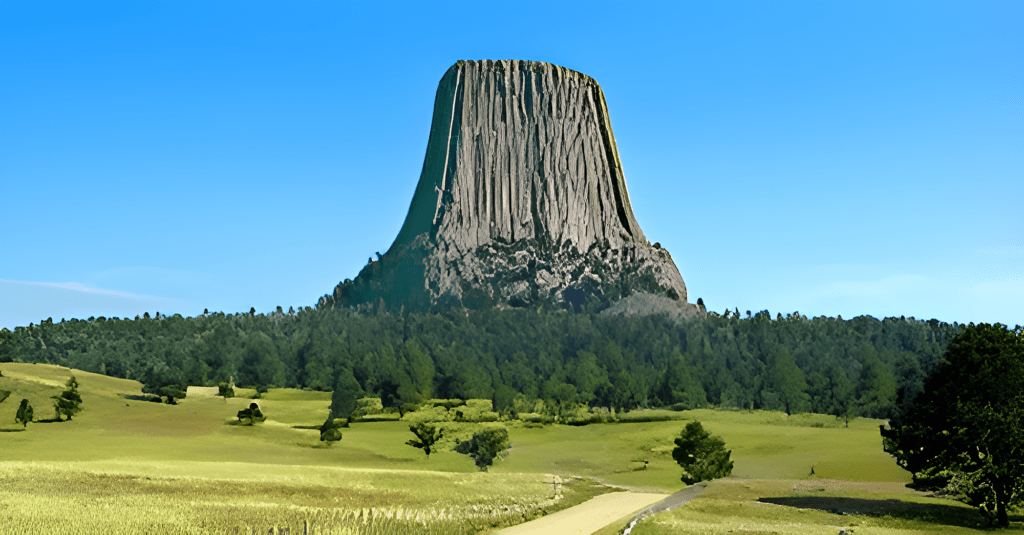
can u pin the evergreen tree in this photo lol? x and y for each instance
(679, 385)
(68, 402)
(25, 413)
(787, 381)
(702, 455)
(844, 402)
(343, 400)
(876, 389)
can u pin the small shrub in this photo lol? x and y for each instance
(368, 407)
(252, 413)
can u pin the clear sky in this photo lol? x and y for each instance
(823, 157)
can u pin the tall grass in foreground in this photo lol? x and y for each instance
(49, 498)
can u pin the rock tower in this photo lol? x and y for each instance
(521, 202)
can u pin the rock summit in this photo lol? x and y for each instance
(521, 202)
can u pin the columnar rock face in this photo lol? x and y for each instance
(521, 202)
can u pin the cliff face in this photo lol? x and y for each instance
(521, 201)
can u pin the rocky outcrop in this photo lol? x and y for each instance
(521, 202)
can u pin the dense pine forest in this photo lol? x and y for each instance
(791, 363)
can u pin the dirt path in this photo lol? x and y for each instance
(589, 516)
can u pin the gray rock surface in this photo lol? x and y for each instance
(645, 304)
(521, 202)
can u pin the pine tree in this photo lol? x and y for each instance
(702, 455)
(68, 402)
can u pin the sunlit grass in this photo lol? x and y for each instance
(126, 466)
(230, 498)
(741, 506)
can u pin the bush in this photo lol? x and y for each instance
(446, 403)
(252, 413)
(473, 410)
(368, 407)
(225, 390)
(536, 418)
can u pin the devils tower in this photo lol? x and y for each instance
(521, 202)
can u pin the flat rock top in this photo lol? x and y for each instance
(519, 150)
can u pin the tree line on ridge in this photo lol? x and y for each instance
(863, 366)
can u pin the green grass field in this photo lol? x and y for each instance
(127, 466)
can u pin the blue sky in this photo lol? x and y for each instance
(823, 157)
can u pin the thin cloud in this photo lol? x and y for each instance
(79, 287)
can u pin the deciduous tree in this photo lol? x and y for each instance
(426, 436)
(966, 428)
(485, 446)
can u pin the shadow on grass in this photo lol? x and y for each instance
(19, 430)
(937, 513)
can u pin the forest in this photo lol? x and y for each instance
(551, 358)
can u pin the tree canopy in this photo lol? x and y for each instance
(485, 446)
(787, 362)
(965, 429)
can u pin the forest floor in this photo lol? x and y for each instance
(124, 465)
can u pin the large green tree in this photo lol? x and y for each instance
(343, 401)
(876, 389)
(787, 380)
(680, 383)
(702, 455)
(966, 428)
(485, 446)
(162, 380)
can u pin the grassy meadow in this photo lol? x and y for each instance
(129, 466)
